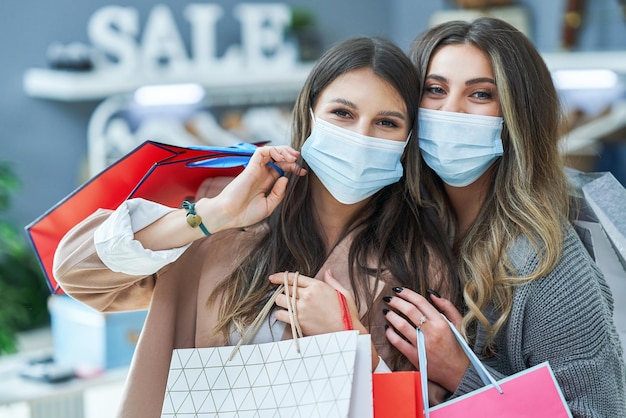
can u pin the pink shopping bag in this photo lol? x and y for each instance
(531, 393)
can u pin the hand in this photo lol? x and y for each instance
(447, 362)
(254, 193)
(318, 308)
(317, 303)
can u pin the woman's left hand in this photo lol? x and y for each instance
(319, 310)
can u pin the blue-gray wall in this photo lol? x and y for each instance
(45, 140)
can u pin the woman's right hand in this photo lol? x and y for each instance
(254, 194)
(247, 199)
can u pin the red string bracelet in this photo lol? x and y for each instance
(345, 312)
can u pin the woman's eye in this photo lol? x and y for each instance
(435, 90)
(341, 113)
(388, 123)
(483, 95)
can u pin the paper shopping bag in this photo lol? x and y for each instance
(397, 395)
(531, 393)
(601, 198)
(163, 173)
(269, 380)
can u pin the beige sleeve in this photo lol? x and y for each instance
(83, 276)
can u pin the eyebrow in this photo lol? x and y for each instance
(468, 82)
(480, 80)
(352, 105)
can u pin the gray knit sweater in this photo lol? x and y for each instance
(564, 318)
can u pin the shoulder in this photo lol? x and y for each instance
(575, 280)
(574, 264)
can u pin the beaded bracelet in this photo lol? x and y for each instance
(193, 219)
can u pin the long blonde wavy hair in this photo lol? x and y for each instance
(528, 195)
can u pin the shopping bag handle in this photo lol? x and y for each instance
(482, 371)
(296, 331)
(230, 162)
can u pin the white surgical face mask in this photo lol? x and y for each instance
(352, 166)
(459, 147)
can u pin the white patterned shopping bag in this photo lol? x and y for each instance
(271, 379)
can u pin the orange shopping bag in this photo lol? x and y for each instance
(397, 395)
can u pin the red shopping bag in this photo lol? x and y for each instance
(159, 172)
(397, 395)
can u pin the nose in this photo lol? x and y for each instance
(364, 127)
(452, 104)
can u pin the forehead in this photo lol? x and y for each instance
(363, 87)
(460, 61)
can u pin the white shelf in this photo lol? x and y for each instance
(77, 86)
(592, 60)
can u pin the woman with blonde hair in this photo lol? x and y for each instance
(341, 218)
(488, 132)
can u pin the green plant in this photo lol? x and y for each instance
(301, 18)
(303, 30)
(23, 293)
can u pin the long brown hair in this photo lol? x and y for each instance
(391, 232)
(528, 195)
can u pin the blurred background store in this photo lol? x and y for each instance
(79, 89)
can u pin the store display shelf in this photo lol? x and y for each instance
(606, 60)
(77, 86)
(585, 138)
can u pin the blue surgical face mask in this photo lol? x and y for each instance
(459, 147)
(351, 166)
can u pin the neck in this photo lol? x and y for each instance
(332, 216)
(467, 201)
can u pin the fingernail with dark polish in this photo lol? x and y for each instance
(386, 326)
(433, 293)
(385, 311)
(387, 299)
(397, 289)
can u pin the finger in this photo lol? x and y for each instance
(402, 345)
(283, 158)
(277, 194)
(287, 167)
(330, 280)
(281, 300)
(282, 315)
(283, 153)
(411, 312)
(279, 278)
(275, 158)
(448, 309)
(407, 298)
(403, 327)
